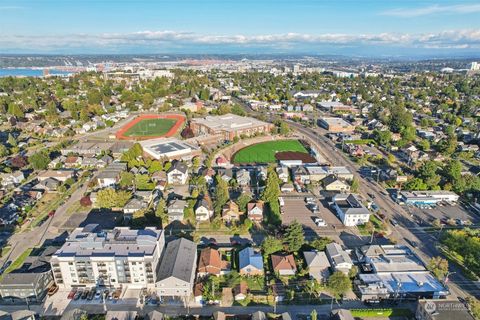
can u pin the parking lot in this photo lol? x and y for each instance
(425, 216)
(296, 209)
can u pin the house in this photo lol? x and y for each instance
(240, 291)
(243, 178)
(176, 274)
(175, 210)
(132, 206)
(111, 174)
(287, 187)
(211, 262)
(255, 211)
(350, 210)
(283, 264)
(203, 209)
(60, 175)
(341, 314)
(158, 176)
(225, 174)
(332, 183)
(12, 179)
(208, 174)
(178, 173)
(339, 259)
(49, 185)
(72, 162)
(318, 265)
(300, 174)
(250, 262)
(282, 173)
(231, 212)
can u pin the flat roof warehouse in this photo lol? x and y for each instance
(169, 148)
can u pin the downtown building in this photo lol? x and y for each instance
(120, 257)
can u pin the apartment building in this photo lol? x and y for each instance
(93, 257)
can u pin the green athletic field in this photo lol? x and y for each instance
(151, 127)
(265, 151)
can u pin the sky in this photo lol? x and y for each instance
(347, 27)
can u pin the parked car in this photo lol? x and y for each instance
(91, 294)
(320, 222)
(98, 294)
(52, 290)
(71, 294)
(394, 222)
(84, 294)
(79, 295)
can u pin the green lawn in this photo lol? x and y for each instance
(151, 127)
(265, 151)
(380, 313)
(18, 262)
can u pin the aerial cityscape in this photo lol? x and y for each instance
(239, 160)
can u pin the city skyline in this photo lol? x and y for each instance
(370, 28)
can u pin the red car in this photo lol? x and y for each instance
(71, 294)
(51, 213)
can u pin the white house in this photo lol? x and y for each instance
(203, 210)
(350, 210)
(178, 173)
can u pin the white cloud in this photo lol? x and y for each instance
(167, 39)
(434, 9)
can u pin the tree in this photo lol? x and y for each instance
(294, 236)
(142, 182)
(453, 170)
(161, 210)
(3, 150)
(270, 196)
(15, 110)
(428, 173)
(109, 198)
(370, 228)
(438, 266)
(383, 138)
(338, 284)
(321, 243)
(283, 128)
(221, 194)
(85, 201)
(243, 200)
(11, 140)
(416, 184)
(155, 166)
(271, 245)
(352, 273)
(355, 187)
(39, 160)
(126, 179)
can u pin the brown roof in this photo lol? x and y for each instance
(71, 159)
(209, 257)
(241, 288)
(283, 262)
(252, 205)
(295, 155)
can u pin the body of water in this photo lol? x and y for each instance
(25, 72)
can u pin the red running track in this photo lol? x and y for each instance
(173, 130)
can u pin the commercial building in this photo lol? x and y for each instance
(335, 125)
(229, 126)
(428, 197)
(118, 257)
(395, 272)
(171, 149)
(350, 210)
(335, 106)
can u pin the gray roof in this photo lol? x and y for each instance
(180, 166)
(178, 260)
(20, 279)
(337, 254)
(316, 259)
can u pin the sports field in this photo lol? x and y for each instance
(150, 127)
(265, 152)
